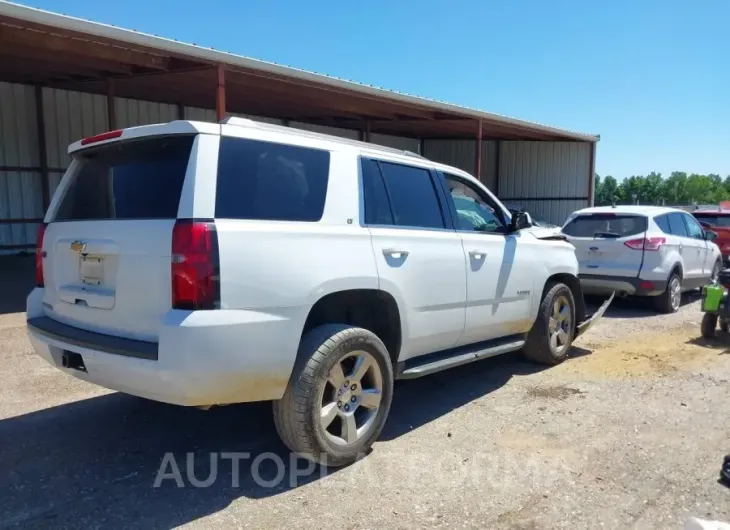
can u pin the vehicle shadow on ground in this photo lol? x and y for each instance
(94, 462)
(634, 306)
(17, 277)
(720, 342)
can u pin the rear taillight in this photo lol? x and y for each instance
(39, 255)
(101, 137)
(648, 243)
(195, 266)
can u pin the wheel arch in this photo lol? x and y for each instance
(373, 309)
(574, 285)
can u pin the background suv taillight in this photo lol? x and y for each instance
(39, 256)
(646, 243)
(195, 265)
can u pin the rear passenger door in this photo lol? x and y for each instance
(692, 267)
(418, 255)
(699, 245)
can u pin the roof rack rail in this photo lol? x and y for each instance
(248, 122)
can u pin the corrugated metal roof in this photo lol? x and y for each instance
(131, 37)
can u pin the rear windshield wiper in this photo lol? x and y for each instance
(606, 234)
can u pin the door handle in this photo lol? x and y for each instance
(477, 254)
(395, 253)
(681, 247)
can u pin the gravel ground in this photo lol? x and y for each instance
(630, 433)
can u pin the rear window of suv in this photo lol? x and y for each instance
(270, 181)
(605, 225)
(133, 179)
(713, 219)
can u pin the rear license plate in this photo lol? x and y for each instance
(91, 270)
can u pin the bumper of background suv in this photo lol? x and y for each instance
(202, 357)
(602, 284)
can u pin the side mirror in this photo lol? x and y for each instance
(519, 221)
(710, 235)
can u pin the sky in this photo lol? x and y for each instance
(652, 77)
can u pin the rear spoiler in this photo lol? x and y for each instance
(164, 129)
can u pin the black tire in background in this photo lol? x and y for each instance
(709, 323)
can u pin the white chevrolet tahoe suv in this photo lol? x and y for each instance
(203, 264)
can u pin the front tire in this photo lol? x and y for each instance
(709, 323)
(339, 397)
(551, 337)
(670, 300)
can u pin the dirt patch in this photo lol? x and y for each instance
(650, 355)
(559, 392)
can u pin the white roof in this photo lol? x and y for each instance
(68, 23)
(631, 209)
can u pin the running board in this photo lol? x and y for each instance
(436, 362)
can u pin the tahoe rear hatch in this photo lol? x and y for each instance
(107, 245)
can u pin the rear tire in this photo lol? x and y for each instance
(670, 300)
(344, 376)
(551, 337)
(709, 323)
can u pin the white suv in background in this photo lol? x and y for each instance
(203, 264)
(642, 250)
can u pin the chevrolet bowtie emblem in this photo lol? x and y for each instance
(78, 246)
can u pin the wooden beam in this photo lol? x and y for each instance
(111, 108)
(592, 175)
(478, 153)
(220, 99)
(42, 152)
(59, 45)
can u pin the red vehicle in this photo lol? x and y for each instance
(718, 221)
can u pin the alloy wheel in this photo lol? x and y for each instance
(351, 398)
(560, 324)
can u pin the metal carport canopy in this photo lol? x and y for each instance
(42, 48)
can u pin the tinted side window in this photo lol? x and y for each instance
(676, 225)
(693, 227)
(265, 180)
(377, 205)
(662, 222)
(474, 213)
(412, 195)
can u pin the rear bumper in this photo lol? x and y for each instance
(202, 357)
(601, 284)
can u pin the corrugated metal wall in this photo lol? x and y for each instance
(549, 179)
(132, 112)
(396, 142)
(460, 153)
(20, 191)
(334, 131)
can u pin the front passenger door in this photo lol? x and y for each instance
(498, 271)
